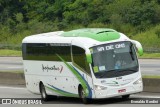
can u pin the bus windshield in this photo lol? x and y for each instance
(114, 59)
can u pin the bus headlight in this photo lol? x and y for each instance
(98, 87)
(139, 81)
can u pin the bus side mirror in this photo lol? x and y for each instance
(138, 47)
(89, 58)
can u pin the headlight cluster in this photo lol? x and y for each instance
(139, 81)
(98, 87)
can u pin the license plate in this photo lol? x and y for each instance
(122, 91)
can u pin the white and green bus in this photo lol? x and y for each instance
(89, 63)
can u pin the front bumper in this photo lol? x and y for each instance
(118, 91)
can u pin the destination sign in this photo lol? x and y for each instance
(111, 47)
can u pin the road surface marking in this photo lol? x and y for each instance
(14, 67)
(15, 88)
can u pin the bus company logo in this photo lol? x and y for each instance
(52, 68)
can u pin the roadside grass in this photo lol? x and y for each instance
(150, 55)
(151, 76)
(18, 72)
(7, 52)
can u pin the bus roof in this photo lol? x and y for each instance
(99, 34)
(84, 37)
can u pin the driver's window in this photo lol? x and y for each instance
(79, 58)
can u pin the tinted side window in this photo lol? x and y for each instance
(46, 52)
(79, 58)
(64, 52)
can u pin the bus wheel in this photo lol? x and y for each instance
(125, 96)
(44, 95)
(83, 96)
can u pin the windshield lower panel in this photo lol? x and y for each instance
(114, 59)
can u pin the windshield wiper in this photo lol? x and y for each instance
(121, 70)
(115, 72)
(106, 72)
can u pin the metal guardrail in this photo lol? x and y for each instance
(11, 46)
(151, 50)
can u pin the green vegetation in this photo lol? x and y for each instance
(150, 39)
(139, 19)
(6, 52)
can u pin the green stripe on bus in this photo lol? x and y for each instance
(77, 75)
(63, 93)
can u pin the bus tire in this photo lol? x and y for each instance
(83, 96)
(44, 95)
(125, 96)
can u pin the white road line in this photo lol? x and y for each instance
(15, 88)
(14, 67)
(146, 96)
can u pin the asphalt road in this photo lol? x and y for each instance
(11, 64)
(148, 66)
(20, 92)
